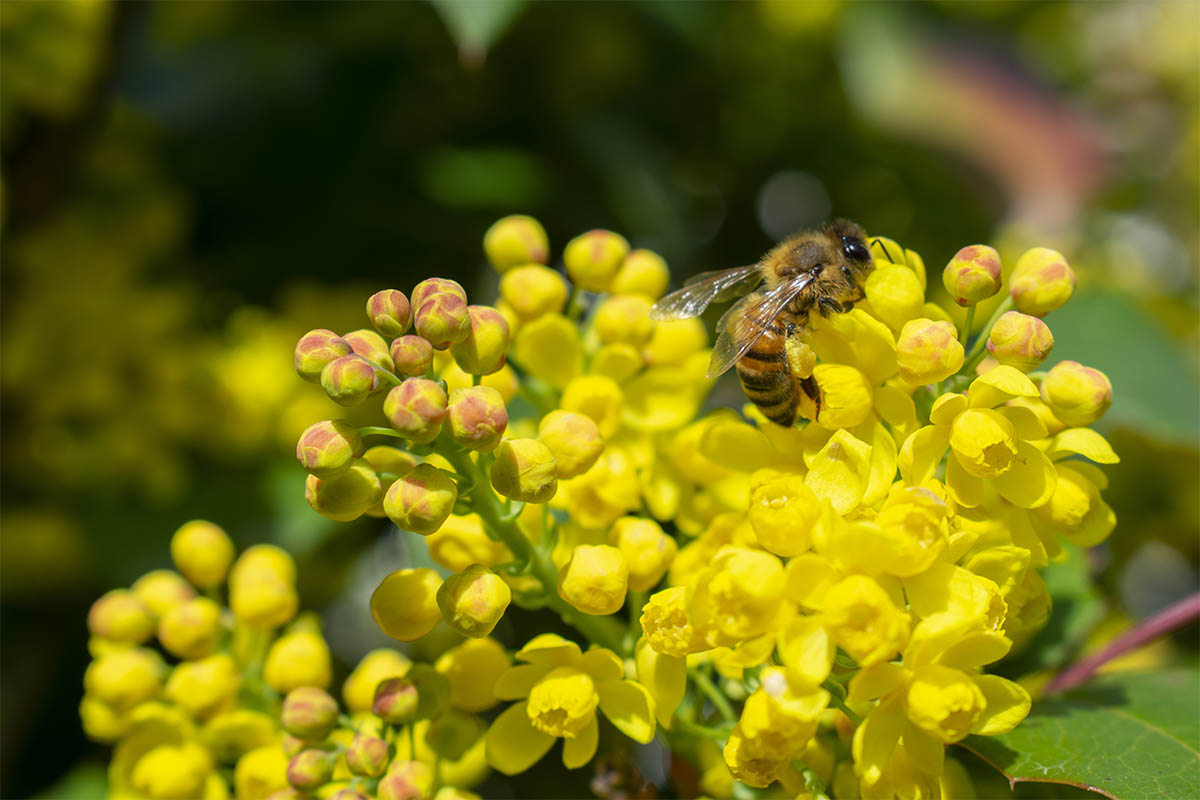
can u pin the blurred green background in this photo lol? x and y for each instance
(188, 187)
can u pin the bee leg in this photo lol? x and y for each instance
(827, 306)
(859, 294)
(791, 328)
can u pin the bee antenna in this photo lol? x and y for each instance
(882, 247)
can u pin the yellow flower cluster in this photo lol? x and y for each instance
(848, 578)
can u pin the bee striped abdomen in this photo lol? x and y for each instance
(767, 380)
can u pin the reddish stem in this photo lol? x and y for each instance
(1160, 624)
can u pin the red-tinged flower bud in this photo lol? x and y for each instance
(1077, 395)
(411, 356)
(349, 379)
(533, 290)
(348, 794)
(643, 272)
(120, 616)
(310, 770)
(316, 349)
(477, 417)
(389, 463)
(928, 351)
(367, 756)
(524, 470)
(422, 693)
(592, 259)
(451, 734)
(1041, 282)
(573, 439)
(371, 346)
(431, 286)
(421, 500)
(406, 780)
(389, 312)
(416, 408)
(1019, 340)
(473, 601)
(328, 448)
(973, 275)
(443, 320)
(309, 713)
(344, 497)
(483, 351)
(515, 240)
(291, 744)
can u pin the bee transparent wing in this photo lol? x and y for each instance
(705, 288)
(747, 320)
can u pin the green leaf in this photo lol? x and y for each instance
(476, 24)
(1124, 735)
(85, 780)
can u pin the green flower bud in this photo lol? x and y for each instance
(421, 500)
(124, 678)
(483, 351)
(1077, 395)
(477, 417)
(345, 497)
(310, 770)
(973, 274)
(928, 351)
(371, 346)
(309, 713)
(191, 630)
(514, 240)
(1019, 340)
(525, 470)
(202, 551)
(416, 408)
(451, 734)
(349, 379)
(367, 756)
(120, 616)
(1041, 282)
(328, 448)
(573, 438)
(443, 320)
(473, 601)
(642, 272)
(316, 349)
(411, 355)
(592, 259)
(405, 603)
(389, 312)
(432, 286)
(389, 463)
(406, 780)
(533, 290)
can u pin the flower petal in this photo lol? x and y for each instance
(897, 408)
(1026, 424)
(966, 489)
(1082, 441)
(513, 744)
(921, 453)
(1007, 705)
(998, 385)
(602, 664)
(629, 706)
(516, 682)
(664, 676)
(549, 648)
(841, 470)
(975, 649)
(927, 752)
(947, 407)
(883, 464)
(807, 650)
(1030, 481)
(876, 681)
(579, 751)
(876, 738)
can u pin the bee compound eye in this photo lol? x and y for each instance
(854, 249)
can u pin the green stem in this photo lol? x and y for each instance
(686, 726)
(977, 351)
(715, 695)
(476, 380)
(814, 785)
(373, 430)
(574, 307)
(836, 695)
(965, 333)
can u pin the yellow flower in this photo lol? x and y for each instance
(608, 490)
(674, 341)
(597, 397)
(595, 579)
(665, 624)
(782, 513)
(863, 620)
(472, 669)
(664, 676)
(895, 294)
(738, 597)
(1076, 511)
(560, 688)
(346, 496)
(549, 349)
(298, 659)
(845, 396)
(648, 551)
(775, 727)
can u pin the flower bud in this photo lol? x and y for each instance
(124, 678)
(291, 745)
(202, 551)
(396, 701)
(421, 500)
(327, 448)
(462, 541)
(411, 356)
(316, 349)
(309, 770)
(550, 349)
(928, 351)
(515, 240)
(309, 713)
(405, 603)
(345, 497)
(592, 259)
(620, 362)
(675, 341)
(532, 291)
(1077, 395)
(260, 772)
(599, 398)
(845, 396)
(161, 589)
(573, 439)
(473, 601)
(406, 780)
(367, 756)
(371, 346)
(443, 320)
(298, 659)
(624, 319)
(973, 275)
(167, 772)
(595, 579)
(477, 417)
(472, 669)
(451, 734)
(389, 312)
(416, 408)
(264, 559)
(647, 550)
(895, 295)
(484, 349)
(205, 686)
(359, 689)
(524, 470)
(349, 380)
(1019, 340)
(120, 616)
(782, 513)
(1041, 282)
(191, 630)
(348, 793)
(642, 272)
(432, 286)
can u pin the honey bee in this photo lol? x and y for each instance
(763, 333)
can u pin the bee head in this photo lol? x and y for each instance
(852, 239)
